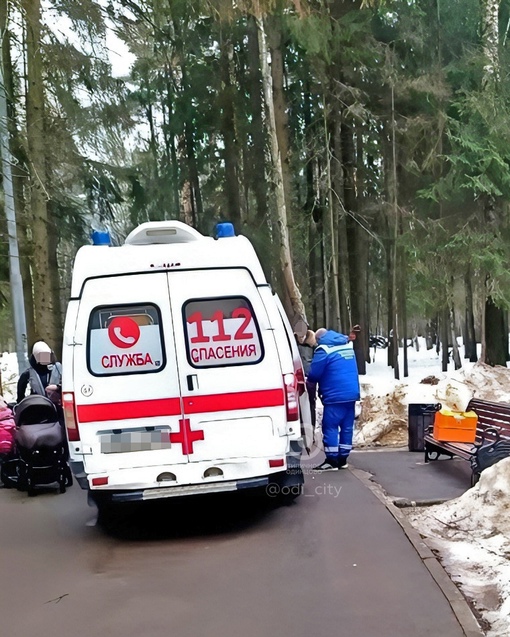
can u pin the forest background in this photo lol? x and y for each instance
(363, 147)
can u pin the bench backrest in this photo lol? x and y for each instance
(491, 416)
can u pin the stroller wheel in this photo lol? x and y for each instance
(62, 483)
(68, 476)
(8, 474)
(30, 488)
(22, 481)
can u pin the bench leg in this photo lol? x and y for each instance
(432, 452)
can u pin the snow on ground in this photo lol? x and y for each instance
(383, 417)
(470, 534)
(8, 375)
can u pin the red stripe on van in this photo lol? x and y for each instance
(132, 409)
(229, 402)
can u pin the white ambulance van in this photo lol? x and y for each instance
(181, 375)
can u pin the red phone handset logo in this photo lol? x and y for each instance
(123, 332)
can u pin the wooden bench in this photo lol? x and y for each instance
(492, 441)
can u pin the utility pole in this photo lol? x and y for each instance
(17, 298)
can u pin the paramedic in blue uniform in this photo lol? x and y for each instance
(335, 370)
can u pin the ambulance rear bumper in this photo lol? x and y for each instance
(291, 476)
(187, 490)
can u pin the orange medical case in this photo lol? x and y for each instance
(455, 426)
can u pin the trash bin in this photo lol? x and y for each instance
(420, 417)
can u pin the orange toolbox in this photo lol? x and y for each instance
(455, 426)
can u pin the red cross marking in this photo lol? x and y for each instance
(185, 436)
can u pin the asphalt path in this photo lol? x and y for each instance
(334, 562)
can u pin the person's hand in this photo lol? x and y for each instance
(353, 333)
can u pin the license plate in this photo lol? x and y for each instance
(191, 489)
(128, 441)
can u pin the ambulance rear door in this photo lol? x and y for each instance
(126, 383)
(230, 373)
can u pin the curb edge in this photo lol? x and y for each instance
(457, 601)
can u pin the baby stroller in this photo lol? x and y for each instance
(40, 447)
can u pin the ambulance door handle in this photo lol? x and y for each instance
(192, 380)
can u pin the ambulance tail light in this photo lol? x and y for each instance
(291, 396)
(70, 416)
(100, 482)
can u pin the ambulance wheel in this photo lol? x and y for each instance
(289, 494)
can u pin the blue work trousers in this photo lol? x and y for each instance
(338, 429)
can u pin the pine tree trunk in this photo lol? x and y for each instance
(191, 193)
(228, 129)
(356, 257)
(469, 329)
(312, 211)
(48, 325)
(18, 177)
(274, 40)
(256, 176)
(170, 142)
(335, 228)
(455, 348)
(496, 334)
(297, 309)
(496, 343)
(444, 330)
(335, 194)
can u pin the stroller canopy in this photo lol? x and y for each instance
(35, 409)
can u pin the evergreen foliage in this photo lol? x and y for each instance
(395, 151)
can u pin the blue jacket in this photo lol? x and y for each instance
(334, 368)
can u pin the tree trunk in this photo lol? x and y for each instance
(312, 210)
(19, 174)
(190, 188)
(54, 279)
(469, 329)
(336, 194)
(170, 143)
(274, 40)
(496, 334)
(334, 229)
(297, 309)
(47, 320)
(228, 129)
(256, 176)
(455, 348)
(444, 330)
(356, 256)
(495, 352)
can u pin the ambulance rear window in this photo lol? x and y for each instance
(125, 339)
(221, 331)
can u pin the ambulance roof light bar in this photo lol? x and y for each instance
(101, 238)
(163, 232)
(225, 229)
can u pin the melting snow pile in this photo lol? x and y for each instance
(472, 536)
(384, 413)
(8, 375)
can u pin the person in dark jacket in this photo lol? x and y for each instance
(44, 374)
(306, 346)
(335, 370)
